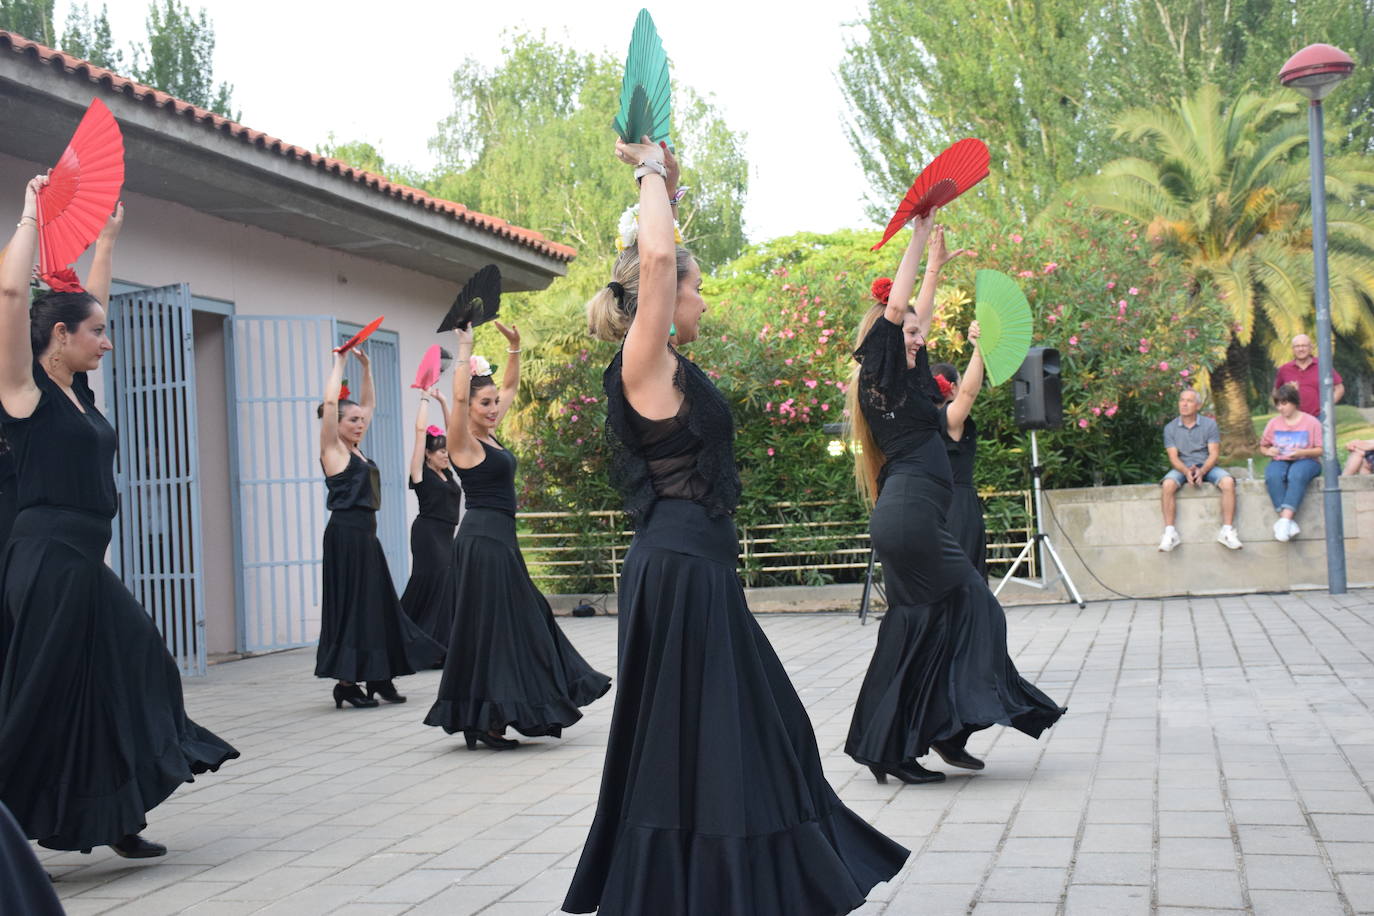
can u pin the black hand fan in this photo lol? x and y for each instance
(477, 302)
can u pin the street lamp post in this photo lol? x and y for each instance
(1314, 71)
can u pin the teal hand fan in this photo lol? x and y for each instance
(646, 95)
(1004, 316)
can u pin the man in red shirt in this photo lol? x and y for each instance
(1302, 371)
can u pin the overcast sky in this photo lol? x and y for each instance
(380, 72)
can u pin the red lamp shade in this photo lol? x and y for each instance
(1316, 69)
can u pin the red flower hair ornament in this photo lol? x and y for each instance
(944, 384)
(63, 281)
(882, 288)
(434, 430)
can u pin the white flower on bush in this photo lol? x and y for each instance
(478, 365)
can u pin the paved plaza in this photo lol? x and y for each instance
(1217, 757)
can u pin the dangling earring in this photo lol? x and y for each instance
(672, 329)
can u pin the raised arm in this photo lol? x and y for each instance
(438, 395)
(333, 455)
(905, 280)
(969, 387)
(510, 378)
(464, 450)
(937, 256)
(648, 365)
(417, 453)
(102, 266)
(18, 392)
(367, 392)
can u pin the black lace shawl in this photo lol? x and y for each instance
(900, 403)
(708, 418)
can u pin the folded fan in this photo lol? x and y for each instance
(478, 301)
(1004, 317)
(949, 174)
(646, 93)
(82, 190)
(359, 337)
(427, 376)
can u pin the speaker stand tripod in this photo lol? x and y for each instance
(1041, 538)
(870, 583)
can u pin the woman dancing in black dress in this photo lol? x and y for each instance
(93, 730)
(364, 634)
(960, 435)
(509, 665)
(713, 800)
(428, 598)
(914, 698)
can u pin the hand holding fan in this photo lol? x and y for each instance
(427, 376)
(82, 190)
(359, 337)
(949, 174)
(478, 301)
(1005, 318)
(646, 94)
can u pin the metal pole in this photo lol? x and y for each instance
(1331, 470)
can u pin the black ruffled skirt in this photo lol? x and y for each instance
(509, 664)
(428, 598)
(364, 634)
(93, 730)
(967, 525)
(713, 800)
(940, 670)
(24, 888)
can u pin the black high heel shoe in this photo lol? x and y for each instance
(352, 694)
(133, 846)
(956, 756)
(495, 742)
(386, 689)
(911, 773)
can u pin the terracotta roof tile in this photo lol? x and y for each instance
(155, 98)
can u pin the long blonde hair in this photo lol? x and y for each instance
(868, 457)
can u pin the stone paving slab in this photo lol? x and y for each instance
(1218, 757)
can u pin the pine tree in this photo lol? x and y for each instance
(30, 18)
(88, 37)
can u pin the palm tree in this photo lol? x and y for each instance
(1223, 186)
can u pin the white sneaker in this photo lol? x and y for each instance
(1281, 530)
(1293, 529)
(1170, 539)
(1227, 537)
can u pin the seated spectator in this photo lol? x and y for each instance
(1293, 440)
(1302, 371)
(1193, 443)
(1361, 460)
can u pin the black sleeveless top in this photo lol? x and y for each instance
(688, 456)
(438, 494)
(963, 453)
(491, 484)
(900, 404)
(357, 486)
(63, 457)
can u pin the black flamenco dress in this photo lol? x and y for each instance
(93, 730)
(509, 664)
(364, 634)
(24, 888)
(428, 598)
(9, 492)
(965, 508)
(713, 801)
(940, 669)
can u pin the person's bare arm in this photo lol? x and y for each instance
(510, 377)
(18, 392)
(102, 265)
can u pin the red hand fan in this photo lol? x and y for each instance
(428, 374)
(949, 174)
(82, 190)
(359, 337)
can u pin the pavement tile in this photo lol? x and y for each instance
(1112, 868)
(1025, 885)
(1288, 903)
(1193, 887)
(1288, 873)
(1117, 899)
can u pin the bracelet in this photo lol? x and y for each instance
(512, 352)
(651, 166)
(26, 219)
(675, 198)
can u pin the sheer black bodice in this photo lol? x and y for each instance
(491, 484)
(357, 486)
(690, 456)
(64, 455)
(899, 403)
(962, 454)
(438, 495)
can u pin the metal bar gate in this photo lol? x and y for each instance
(158, 552)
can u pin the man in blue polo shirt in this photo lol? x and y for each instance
(1193, 443)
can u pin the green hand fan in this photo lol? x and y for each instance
(1004, 316)
(646, 95)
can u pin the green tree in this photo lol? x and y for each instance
(364, 155)
(30, 18)
(87, 35)
(178, 57)
(1222, 187)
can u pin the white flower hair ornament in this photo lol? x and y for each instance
(629, 229)
(478, 365)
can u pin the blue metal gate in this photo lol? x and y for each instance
(385, 443)
(276, 372)
(158, 551)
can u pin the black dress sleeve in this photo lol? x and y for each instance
(882, 365)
